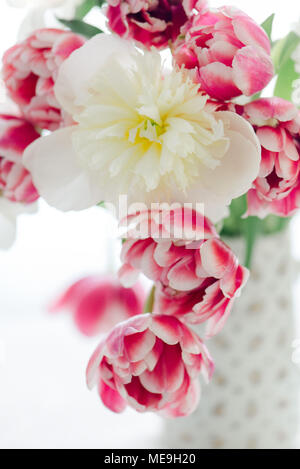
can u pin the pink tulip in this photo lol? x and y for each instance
(152, 23)
(229, 52)
(30, 69)
(98, 302)
(151, 363)
(15, 181)
(196, 281)
(277, 126)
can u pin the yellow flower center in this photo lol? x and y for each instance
(272, 122)
(146, 132)
(147, 127)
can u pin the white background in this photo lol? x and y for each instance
(43, 399)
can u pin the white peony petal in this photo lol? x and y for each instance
(7, 231)
(8, 219)
(81, 67)
(240, 125)
(236, 173)
(239, 167)
(57, 174)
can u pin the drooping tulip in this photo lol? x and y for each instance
(151, 363)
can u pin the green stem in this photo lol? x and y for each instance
(249, 228)
(148, 308)
(252, 228)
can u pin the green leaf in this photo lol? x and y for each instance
(291, 42)
(234, 223)
(267, 25)
(83, 9)
(276, 51)
(283, 49)
(286, 77)
(274, 224)
(80, 27)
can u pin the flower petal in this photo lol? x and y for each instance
(250, 33)
(92, 372)
(7, 229)
(237, 170)
(217, 258)
(137, 346)
(167, 328)
(187, 404)
(76, 72)
(252, 69)
(217, 80)
(168, 374)
(128, 275)
(111, 398)
(57, 174)
(270, 138)
(182, 276)
(263, 109)
(115, 342)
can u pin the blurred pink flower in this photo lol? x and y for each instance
(97, 303)
(228, 50)
(151, 363)
(152, 23)
(15, 181)
(30, 69)
(196, 280)
(277, 126)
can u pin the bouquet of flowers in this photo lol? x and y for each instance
(165, 120)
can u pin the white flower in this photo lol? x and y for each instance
(67, 4)
(296, 83)
(296, 27)
(9, 212)
(143, 131)
(37, 16)
(296, 58)
(296, 92)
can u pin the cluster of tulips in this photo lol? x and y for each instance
(100, 115)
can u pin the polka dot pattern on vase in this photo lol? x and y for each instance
(253, 399)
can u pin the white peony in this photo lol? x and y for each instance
(143, 131)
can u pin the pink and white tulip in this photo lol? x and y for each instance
(151, 363)
(17, 192)
(97, 303)
(15, 181)
(196, 280)
(277, 187)
(229, 52)
(30, 70)
(152, 23)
